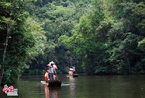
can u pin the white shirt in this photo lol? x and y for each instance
(51, 70)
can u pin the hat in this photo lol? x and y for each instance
(54, 66)
(50, 63)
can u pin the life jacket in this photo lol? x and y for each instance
(46, 76)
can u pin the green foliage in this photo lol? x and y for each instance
(57, 17)
(39, 37)
(100, 37)
(26, 39)
(110, 39)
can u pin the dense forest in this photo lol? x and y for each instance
(57, 18)
(95, 36)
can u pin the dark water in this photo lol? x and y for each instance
(82, 87)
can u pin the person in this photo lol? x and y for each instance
(70, 71)
(46, 75)
(51, 71)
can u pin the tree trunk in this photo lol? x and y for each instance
(9, 26)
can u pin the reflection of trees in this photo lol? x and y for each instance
(50, 93)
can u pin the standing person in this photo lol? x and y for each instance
(51, 70)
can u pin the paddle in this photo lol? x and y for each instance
(56, 75)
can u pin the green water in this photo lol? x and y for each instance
(82, 87)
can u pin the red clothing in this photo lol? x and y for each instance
(46, 76)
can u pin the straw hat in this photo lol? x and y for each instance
(54, 66)
(51, 63)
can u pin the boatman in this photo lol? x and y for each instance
(51, 70)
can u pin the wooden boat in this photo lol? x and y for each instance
(52, 83)
(75, 75)
(44, 82)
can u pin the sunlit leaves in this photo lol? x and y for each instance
(39, 37)
(5, 4)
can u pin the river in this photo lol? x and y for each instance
(82, 87)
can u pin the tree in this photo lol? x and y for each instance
(19, 39)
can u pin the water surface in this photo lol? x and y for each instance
(82, 87)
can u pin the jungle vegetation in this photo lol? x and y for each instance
(95, 36)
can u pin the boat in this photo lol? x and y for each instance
(52, 83)
(75, 75)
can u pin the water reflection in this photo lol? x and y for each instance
(83, 87)
(72, 86)
(51, 93)
(71, 79)
(46, 92)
